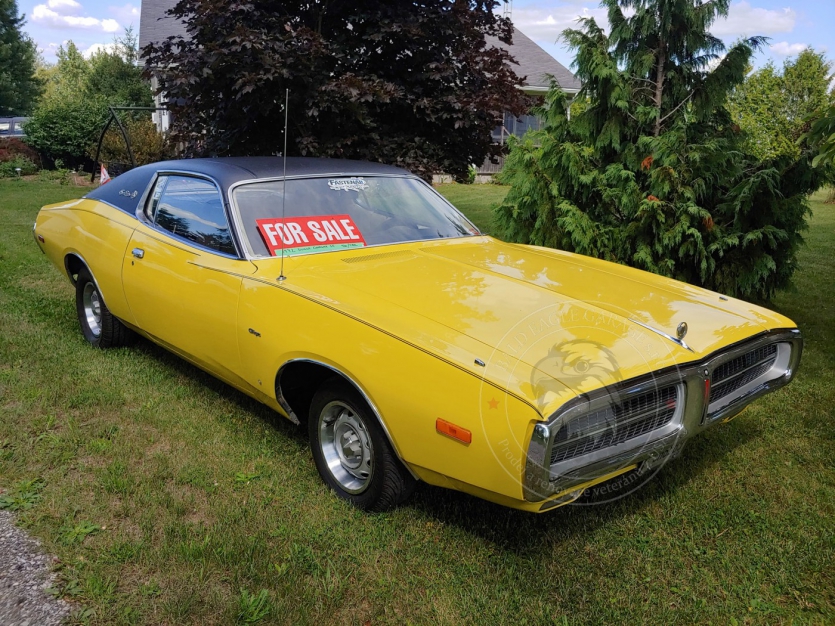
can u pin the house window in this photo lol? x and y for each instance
(516, 126)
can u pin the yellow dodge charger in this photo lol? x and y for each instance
(352, 297)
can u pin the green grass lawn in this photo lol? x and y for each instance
(170, 498)
(475, 201)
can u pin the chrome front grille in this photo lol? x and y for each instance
(615, 424)
(646, 419)
(735, 374)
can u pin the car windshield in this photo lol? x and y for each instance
(325, 214)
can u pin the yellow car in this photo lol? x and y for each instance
(352, 297)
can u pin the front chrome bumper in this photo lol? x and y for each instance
(694, 413)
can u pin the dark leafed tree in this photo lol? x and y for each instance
(19, 89)
(652, 171)
(411, 84)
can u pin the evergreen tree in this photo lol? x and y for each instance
(19, 89)
(654, 172)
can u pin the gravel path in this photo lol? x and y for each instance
(24, 578)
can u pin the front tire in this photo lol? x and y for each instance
(351, 451)
(99, 327)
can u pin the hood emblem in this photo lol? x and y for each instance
(681, 332)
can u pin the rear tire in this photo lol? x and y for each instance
(351, 451)
(99, 327)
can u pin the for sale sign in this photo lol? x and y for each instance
(303, 235)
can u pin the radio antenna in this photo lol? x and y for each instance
(281, 276)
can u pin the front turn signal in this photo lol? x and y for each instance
(451, 430)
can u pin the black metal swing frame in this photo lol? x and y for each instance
(115, 118)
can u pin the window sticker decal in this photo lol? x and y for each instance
(347, 184)
(303, 235)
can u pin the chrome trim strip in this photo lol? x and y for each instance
(675, 340)
(294, 418)
(541, 479)
(143, 218)
(89, 269)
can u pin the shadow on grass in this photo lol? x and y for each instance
(247, 404)
(509, 529)
(529, 533)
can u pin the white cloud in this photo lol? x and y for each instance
(64, 7)
(98, 47)
(547, 23)
(746, 20)
(64, 14)
(786, 49)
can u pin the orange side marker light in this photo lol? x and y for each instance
(451, 430)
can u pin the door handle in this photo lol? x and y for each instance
(138, 253)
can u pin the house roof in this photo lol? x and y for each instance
(533, 62)
(535, 65)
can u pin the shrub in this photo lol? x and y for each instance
(8, 169)
(147, 144)
(65, 128)
(14, 147)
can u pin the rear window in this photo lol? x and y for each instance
(326, 214)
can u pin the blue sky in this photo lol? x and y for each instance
(791, 24)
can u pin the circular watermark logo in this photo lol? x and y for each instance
(574, 362)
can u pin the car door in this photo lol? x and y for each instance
(182, 274)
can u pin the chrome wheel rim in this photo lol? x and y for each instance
(92, 308)
(346, 447)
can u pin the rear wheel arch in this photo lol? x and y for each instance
(73, 264)
(298, 380)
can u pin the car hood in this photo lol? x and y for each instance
(546, 324)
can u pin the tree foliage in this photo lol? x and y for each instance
(73, 110)
(63, 130)
(654, 172)
(147, 144)
(19, 88)
(409, 84)
(773, 107)
(115, 76)
(822, 136)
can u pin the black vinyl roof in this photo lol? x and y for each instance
(229, 170)
(125, 191)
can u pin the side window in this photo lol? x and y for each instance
(191, 208)
(159, 187)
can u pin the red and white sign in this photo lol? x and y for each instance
(322, 233)
(105, 177)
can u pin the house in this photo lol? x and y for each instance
(534, 63)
